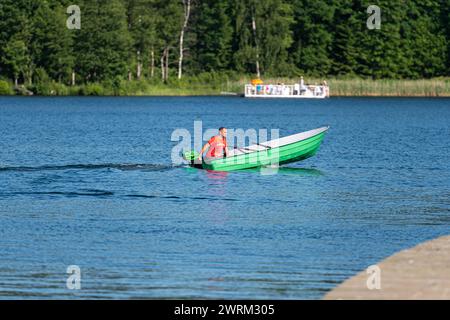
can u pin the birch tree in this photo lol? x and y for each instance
(262, 36)
(167, 31)
(143, 19)
(187, 14)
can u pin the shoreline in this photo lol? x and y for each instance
(233, 87)
(237, 96)
(418, 273)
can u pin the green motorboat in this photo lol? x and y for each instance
(277, 152)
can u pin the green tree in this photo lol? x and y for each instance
(168, 31)
(313, 36)
(262, 35)
(275, 36)
(383, 53)
(142, 22)
(348, 23)
(424, 41)
(51, 41)
(214, 35)
(102, 45)
(14, 36)
(5, 88)
(244, 51)
(445, 25)
(16, 59)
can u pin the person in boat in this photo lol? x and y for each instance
(317, 90)
(326, 89)
(217, 146)
(296, 89)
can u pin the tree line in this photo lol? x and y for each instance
(162, 39)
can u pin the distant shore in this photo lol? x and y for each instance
(219, 85)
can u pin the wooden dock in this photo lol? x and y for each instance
(420, 273)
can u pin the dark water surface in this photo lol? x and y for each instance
(90, 182)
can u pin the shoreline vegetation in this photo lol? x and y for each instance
(214, 85)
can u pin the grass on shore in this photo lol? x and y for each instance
(392, 88)
(210, 84)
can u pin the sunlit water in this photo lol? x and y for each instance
(90, 182)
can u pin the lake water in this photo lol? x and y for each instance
(90, 182)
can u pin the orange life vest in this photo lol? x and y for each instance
(217, 146)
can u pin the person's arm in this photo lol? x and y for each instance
(205, 147)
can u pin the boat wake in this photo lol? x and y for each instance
(106, 194)
(122, 167)
(85, 193)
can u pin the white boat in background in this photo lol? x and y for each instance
(297, 91)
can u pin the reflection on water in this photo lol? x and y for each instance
(217, 175)
(288, 171)
(301, 171)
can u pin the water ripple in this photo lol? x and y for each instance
(123, 167)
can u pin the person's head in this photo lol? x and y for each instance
(223, 132)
